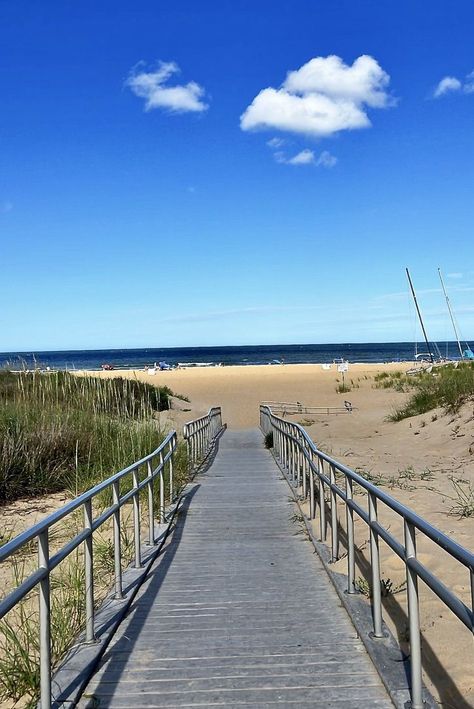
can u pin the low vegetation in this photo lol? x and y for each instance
(447, 387)
(59, 431)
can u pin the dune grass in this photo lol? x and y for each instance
(59, 431)
(448, 387)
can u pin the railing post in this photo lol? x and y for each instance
(136, 520)
(305, 473)
(170, 472)
(45, 621)
(350, 537)
(151, 504)
(334, 530)
(89, 573)
(299, 461)
(413, 619)
(117, 542)
(312, 510)
(162, 491)
(375, 568)
(322, 504)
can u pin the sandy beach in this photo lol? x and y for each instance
(413, 460)
(420, 453)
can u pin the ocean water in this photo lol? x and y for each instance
(226, 356)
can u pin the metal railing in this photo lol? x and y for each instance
(296, 407)
(200, 433)
(155, 469)
(315, 473)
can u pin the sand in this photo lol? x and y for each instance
(415, 457)
(426, 449)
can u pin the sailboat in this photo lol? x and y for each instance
(467, 353)
(430, 352)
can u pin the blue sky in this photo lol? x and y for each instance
(143, 206)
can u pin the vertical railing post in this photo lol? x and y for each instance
(136, 519)
(350, 537)
(45, 621)
(299, 460)
(162, 491)
(375, 568)
(322, 504)
(89, 573)
(413, 619)
(312, 510)
(117, 541)
(171, 472)
(151, 504)
(334, 530)
(305, 473)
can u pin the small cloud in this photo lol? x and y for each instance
(322, 97)
(276, 142)
(447, 85)
(326, 159)
(454, 275)
(5, 207)
(450, 84)
(468, 87)
(191, 189)
(304, 157)
(151, 86)
(307, 157)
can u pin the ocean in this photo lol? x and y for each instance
(226, 356)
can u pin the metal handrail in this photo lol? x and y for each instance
(200, 433)
(144, 473)
(296, 407)
(315, 473)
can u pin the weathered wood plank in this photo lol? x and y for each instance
(238, 611)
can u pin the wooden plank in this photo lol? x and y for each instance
(238, 611)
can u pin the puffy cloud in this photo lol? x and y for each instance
(446, 85)
(450, 84)
(150, 85)
(323, 97)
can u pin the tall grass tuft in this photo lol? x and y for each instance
(59, 431)
(448, 387)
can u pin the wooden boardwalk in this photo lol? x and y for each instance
(238, 610)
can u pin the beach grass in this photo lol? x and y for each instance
(59, 431)
(447, 387)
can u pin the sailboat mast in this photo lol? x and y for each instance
(450, 313)
(419, 315)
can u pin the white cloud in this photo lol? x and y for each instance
(447, 85)
(322, 97)
(450, 84)
(469, 84)
(306, 157)
(276, 142)
(150, 85)
(326, 159)
(454, 275)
